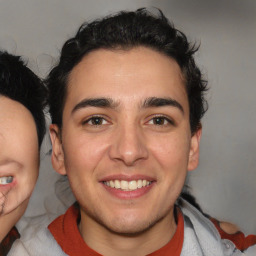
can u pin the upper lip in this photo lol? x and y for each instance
(127, 177)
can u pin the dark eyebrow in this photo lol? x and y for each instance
(161, 102)
(95, 102)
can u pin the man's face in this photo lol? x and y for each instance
(19, 157)
(125, 142)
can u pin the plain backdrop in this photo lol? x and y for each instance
(225, 181)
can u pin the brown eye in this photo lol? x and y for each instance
(96, 121)
(159, 121)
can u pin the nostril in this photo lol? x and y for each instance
(128, 145)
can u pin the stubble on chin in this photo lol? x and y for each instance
(124, 227)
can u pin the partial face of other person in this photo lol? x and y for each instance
(125, 143)
(19, 157)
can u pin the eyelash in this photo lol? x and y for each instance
(163, 118)
(93, 118)
(101, 120)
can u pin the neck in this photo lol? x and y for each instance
(109, 243)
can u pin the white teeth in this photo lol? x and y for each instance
(133, 185)
(139, 182)
(6, 180)
(117, 184)
(127, 185)
(112, 183)
(124, 185)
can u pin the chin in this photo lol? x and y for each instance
(134, 229)
(130, 226)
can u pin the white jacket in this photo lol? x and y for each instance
(201, 238)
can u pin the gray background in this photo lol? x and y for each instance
(225, 182)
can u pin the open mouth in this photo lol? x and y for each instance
(6, 180)
(125, 185)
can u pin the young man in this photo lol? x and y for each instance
(126, 100)
(22, 128)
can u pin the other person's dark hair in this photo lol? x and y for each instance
(19, 83)
(126, 30)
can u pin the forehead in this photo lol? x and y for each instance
(126, 75)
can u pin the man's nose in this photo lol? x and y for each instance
(129, 145)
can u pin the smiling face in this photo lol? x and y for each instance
(125, 142)
(19, 157)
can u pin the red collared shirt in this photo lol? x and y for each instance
(65, 231)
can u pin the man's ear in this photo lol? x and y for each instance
(194, 150)
(57, 151)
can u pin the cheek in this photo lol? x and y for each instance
(28, 176)
(29, 156)
(21, 191)
(26, 149)
(83, 153)
(172, 152)
(83, 147)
